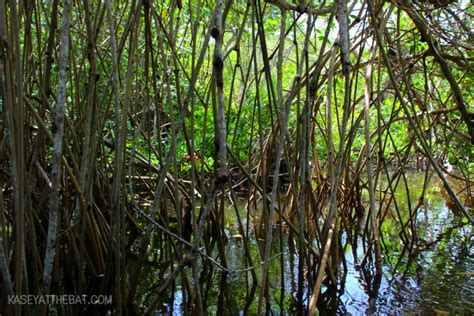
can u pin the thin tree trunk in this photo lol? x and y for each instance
(368, 154)
(6, 276)
(218, 63)
(58, 132)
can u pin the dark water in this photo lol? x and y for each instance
(433, 276)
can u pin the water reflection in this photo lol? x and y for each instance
(429, 271)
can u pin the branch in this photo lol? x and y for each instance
(466, 116)
(301, 7)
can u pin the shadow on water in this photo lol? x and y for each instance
(431, 272)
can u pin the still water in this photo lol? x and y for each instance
(434, 275)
